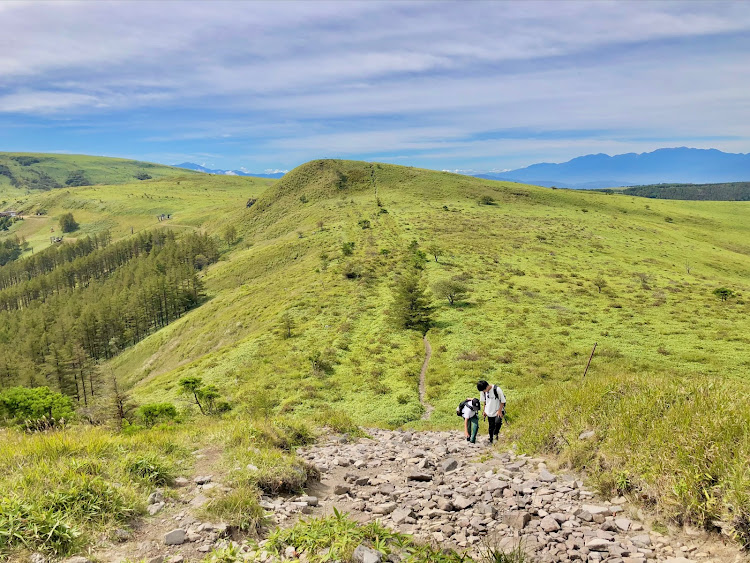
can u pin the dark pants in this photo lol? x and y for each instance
(495, 423)
(473, 428)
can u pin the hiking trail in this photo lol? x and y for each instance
(428, 408)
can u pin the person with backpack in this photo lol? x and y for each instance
(469, 411)
(494, 406)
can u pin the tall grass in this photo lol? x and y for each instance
(678, 444)
(62, 488)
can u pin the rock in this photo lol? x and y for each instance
(365, 554)
(549, 524)
(181, 482)
(78, 559)
(586, 435)
(401, 515)
(156, 559)
(341, 489)
(546, 476)
(37, 558)
(121, 535)
(444, 504)
(386, 508)
(175, 537)
(153, 509)
(623, 524)
(419, 476)
(156, 497)
(598, 544)
(641, 540)
(518, 520)
(594, 509)
(679, 560)
(203, 479)
(198, 501)
(251, 467)
(309, 501)
(176, 559)
(448, 465)
(462, 503)
(290, 552)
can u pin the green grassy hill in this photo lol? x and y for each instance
(191, 200)
(299, 320)
(40, 171)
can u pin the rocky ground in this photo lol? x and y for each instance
(444, 490)
(439, 488)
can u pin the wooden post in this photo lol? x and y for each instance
(590, 358)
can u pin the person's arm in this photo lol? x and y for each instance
(501, 412)
(466, 427)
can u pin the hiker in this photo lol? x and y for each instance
(469, 411)
(494, 406)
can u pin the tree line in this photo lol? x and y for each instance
(731, 191)
(55, 327)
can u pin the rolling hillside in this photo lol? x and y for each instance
(300, 314)
(38, 171)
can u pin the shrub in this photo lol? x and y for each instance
(68, 223)
(142, 176)
(77, 178)
(20, 404)
(724, 293)
(347, 248)
(364, 223)
(157, 412)
(486, 200)
(453, 290)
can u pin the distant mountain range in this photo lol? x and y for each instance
(199, 168)
(673, 165)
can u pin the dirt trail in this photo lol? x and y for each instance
(182, 505)
(428, 408)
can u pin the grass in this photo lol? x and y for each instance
(65, 487)
(551, 272)
(678, 444)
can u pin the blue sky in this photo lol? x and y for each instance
(460, 86)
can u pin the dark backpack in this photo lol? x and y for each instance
(460, 408)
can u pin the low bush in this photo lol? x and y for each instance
(19, 405)
(157, 412)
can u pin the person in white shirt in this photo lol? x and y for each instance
(470, 413)
(494, 406)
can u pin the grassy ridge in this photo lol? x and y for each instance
(39, 171)
(192, 200)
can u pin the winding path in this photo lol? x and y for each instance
(428, 408)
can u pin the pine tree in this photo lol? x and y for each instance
(411, 305)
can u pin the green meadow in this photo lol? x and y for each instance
(299, 322)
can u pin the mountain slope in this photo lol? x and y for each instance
(299, 320)
(39, 171)
(671, 165)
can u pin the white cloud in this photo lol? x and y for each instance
(442, 80)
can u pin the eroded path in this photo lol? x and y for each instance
(428, 408)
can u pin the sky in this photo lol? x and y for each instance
(465, 86)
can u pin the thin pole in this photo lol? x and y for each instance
(590, 358)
